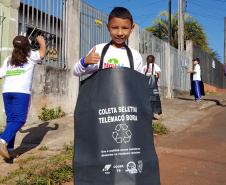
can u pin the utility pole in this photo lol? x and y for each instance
(225, 40)
(179, 25)
(182, 26)
(169, 24)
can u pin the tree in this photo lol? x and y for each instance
(192, 31)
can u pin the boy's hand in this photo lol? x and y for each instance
(92, 58)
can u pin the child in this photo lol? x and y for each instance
(196, 79)
(18, 70)
(151, 68)
(120, 25)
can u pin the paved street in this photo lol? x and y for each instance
(195, 155)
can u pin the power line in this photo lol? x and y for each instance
(148, 4)
(115, 5)
(206, 16)
(150, 14)
(221, 1)
(202, 6)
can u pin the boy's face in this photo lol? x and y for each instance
(195, 62)
(120, 30)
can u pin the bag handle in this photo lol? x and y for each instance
(152, 70)
(104, 51)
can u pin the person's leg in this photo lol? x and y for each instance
(21, 104)
(198, 91)
(195, 89)
(8, 104)
(10, 145)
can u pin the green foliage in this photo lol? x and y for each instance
(43, 148)
(54, 170)
(192, 31)
(49, 114)
(159, 128)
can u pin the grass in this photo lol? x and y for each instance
(159, 128)
(49, 114)
(43, 148)
(54, 170)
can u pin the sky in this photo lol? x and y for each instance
(209, 13)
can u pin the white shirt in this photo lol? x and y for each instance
(197, 75)
(19, 78)
(115, 57)
(156, 69)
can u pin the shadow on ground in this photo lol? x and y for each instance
(34, 137)
(213, 100)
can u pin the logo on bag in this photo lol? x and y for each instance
(106, 168)
(113, 62)
(122, 134)
(132, 168)
(140, 166)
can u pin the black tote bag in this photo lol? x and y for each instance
(113, 130)
(154, 94)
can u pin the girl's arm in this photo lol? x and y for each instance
(158, 76)
(42, 50)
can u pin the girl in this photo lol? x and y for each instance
(151, 68)
(18, 70)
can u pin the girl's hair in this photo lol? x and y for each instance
(20, 54)
(150, 59)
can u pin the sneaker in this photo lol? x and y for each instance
(199, 99)
(13, 154)
(3, 151)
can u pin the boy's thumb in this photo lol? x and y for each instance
(94, 49)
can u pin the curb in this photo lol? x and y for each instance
(209, 105)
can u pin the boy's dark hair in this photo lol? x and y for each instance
(120, 12)
(196, 59)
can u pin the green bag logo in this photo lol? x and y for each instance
(115, 61)
(15, 72)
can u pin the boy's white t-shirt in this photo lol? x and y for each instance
(19, 78)
(115, 57)
(197, 75)
(156, 69)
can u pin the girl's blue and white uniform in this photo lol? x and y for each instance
(16, 94)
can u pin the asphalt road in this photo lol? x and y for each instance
(197, 154)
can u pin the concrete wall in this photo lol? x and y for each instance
(53, 87)
(134, 40)
(9, 27)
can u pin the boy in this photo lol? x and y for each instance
(196, 79)
(120, 25)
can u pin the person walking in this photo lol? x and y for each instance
(18, 71)
(151, 68)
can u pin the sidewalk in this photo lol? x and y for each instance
(177, 114)
(182, 111)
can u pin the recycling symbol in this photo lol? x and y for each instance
(121, 133)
